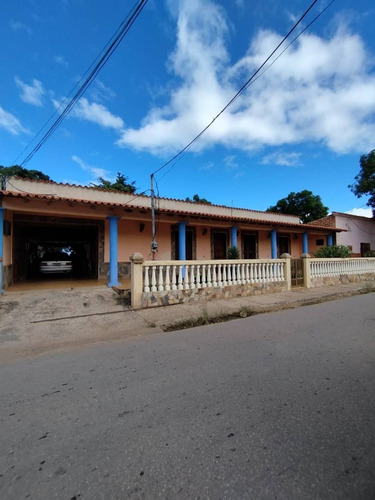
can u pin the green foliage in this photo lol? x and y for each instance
(305, 204)
(121, 184)
(24, 173)
(198, 199)
(335, 251)
(365, 180)
(233, 253)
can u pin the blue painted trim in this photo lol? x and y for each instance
(305, 243)
(274, 244)
(113, 252)
(329, 240)
(2, 210)
(233, 236)
(182, 240)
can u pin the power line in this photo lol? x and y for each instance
(109, 50)
(244, 86)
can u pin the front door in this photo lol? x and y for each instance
(219, 244)
(283, 244)
(249, 246)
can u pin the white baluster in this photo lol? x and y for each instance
(230, 282)
(153, 279)
(192, 277)
(186, 278)
(198, 277)
(247, 274)
(234, 274)
(225, 275)
(219, 281)
(161, 286)
(214, 282)
(209, 275)
(243, 277)
(180, 285)
(204, 279)
(147, 280)
(167, 279)
(174, 286)
(268, 279)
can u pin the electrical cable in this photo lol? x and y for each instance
(127, 24)
(241, 90)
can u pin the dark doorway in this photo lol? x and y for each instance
(35, 237)
(283, 244)
(219, 244)
(249, 246)
(190, 243)
(365, 247)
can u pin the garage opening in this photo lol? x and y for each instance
(52, 248)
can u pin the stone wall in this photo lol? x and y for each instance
(7, 275)
(124, 270)
(342, 279)
(155, 299)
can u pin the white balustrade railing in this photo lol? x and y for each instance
(321, 268)
(188, 274)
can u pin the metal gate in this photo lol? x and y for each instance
(296, 269)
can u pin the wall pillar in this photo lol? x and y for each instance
(306, 270)
(288, 270)
(2, 210)
(113, 251)
(329, 240)
(305, 242)
(182, 240)
(136, 290)
(274, 244)
(233, 236)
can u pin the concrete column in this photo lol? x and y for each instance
(233, 236)
(329, 240)
(288, 270)
(182, 240)
(274, 244)
(305, 242)
(2, 210)
(306, 270)
(136, 279)
(113, 250)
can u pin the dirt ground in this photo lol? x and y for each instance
(36, 322)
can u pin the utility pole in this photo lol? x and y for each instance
(154, 245)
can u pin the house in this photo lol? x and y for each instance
(103, 228)
(359, 235)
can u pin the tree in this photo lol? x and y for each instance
(198, 199)
(121, 184)
(17, 171)
(305, 204)
(365, 180)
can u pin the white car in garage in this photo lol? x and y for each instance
(57, 262)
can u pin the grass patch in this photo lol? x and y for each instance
(206, 319)
(368, 287)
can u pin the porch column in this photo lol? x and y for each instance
(2, 210)
(329, 240)
(274, 243)
(233, 236)
(113, 244)
(182, 240)
(305, 242)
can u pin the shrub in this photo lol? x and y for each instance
(335, 251)
(233, 253)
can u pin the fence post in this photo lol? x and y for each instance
(136, 290)
(306, 270)
(288, 270)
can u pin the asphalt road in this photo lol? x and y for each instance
(280, 406)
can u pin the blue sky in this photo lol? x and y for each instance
(302, 125)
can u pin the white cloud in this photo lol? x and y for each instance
(283, 159)
(31, 94)
(321, 90)
(96, 172)
(10, 123)
(363, 212)
(96, 113)
(61, 60)
(17, 26)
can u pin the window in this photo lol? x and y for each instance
(320, 242)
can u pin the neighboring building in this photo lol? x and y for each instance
(103, 228)
(359, 234)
